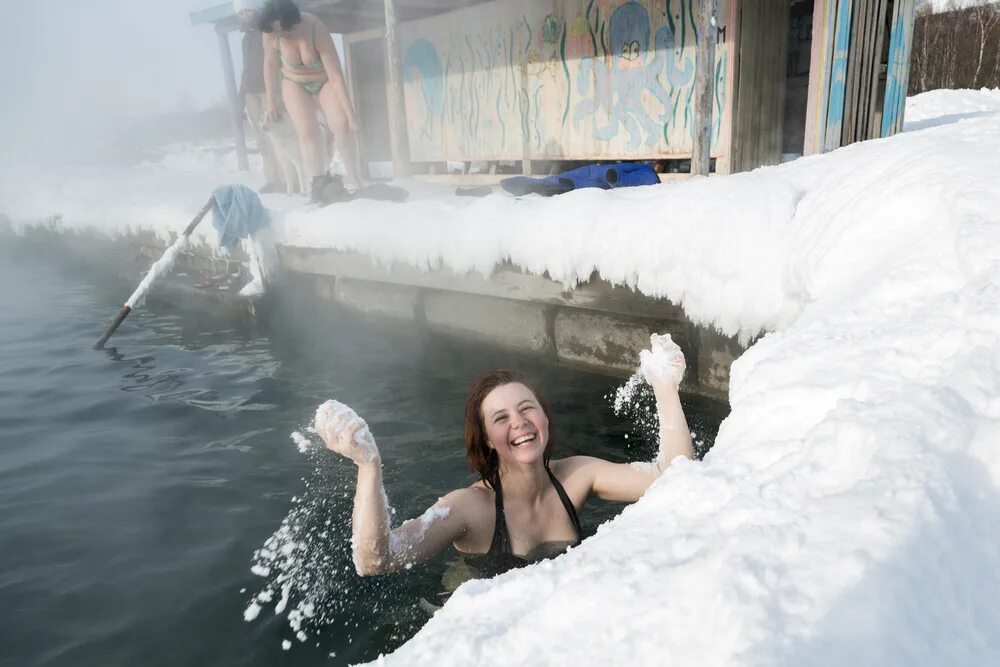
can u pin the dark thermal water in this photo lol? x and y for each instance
(136, 483)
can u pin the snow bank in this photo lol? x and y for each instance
(848, 512)
(939, 107)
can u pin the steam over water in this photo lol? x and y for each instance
(137, 483)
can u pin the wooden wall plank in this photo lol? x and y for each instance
(759, 114)
(855, 61)
(723, 164)
(897, 80)
(862, 71)
(824, 24)
(838, 76)
(873, 116)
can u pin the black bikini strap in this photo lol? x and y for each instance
(567, 503)
(501, 536)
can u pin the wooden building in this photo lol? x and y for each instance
(532, 85)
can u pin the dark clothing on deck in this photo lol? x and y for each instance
(603, 176)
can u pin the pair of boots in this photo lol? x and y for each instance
(326, 189)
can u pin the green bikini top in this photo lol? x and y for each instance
(311, 67)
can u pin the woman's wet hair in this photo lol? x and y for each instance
(284, 12)
(482, 459)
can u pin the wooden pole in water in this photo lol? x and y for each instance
(126, 309)
(704, 86)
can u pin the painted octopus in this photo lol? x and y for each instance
(634, 69)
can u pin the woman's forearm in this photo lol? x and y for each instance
(270, 76)
(370, 521)
(675, 436)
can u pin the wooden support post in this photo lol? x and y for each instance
(235, 106)
(838, 76)
(399, 140)
(820, 58)
(704, 85)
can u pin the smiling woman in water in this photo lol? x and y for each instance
(524, 507)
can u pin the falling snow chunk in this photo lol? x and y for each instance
(303, 443)
(251, 612)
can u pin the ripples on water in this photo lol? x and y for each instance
(136, 483)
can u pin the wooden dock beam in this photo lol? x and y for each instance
(704, 85)
(235, 105)
(399, 140)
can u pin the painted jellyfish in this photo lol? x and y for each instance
(422, 67)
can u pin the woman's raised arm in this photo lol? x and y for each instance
(663, 367)
(375, 548)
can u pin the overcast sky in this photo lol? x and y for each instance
(74, 69)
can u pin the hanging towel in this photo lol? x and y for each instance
(604, 176)
(236, 214)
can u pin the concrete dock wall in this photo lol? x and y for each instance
(596, 326)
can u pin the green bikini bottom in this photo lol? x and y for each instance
(312, 87)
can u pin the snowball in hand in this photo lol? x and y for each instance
(335, 415)
(663, 361)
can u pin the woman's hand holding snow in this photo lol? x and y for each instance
(345, 433)
(663, 363)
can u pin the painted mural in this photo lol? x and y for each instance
(897, 76)
(838, 76)
(572, 79)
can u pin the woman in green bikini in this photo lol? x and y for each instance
(299, 47)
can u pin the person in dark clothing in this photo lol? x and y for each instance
(524, 506)
(253, 96)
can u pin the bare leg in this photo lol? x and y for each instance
(302, 110)
(344, 139)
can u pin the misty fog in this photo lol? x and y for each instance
(97, 80)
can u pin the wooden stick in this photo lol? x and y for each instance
(126, 309)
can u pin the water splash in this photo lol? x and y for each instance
(306, 565)
(634, 402)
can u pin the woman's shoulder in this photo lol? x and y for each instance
(572, 464)
(474, 494)
(472, 502)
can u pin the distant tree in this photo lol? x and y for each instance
(987, 17)
(958, 47)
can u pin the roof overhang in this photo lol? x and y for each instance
(340, 16)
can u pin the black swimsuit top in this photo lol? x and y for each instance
(501, 556)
